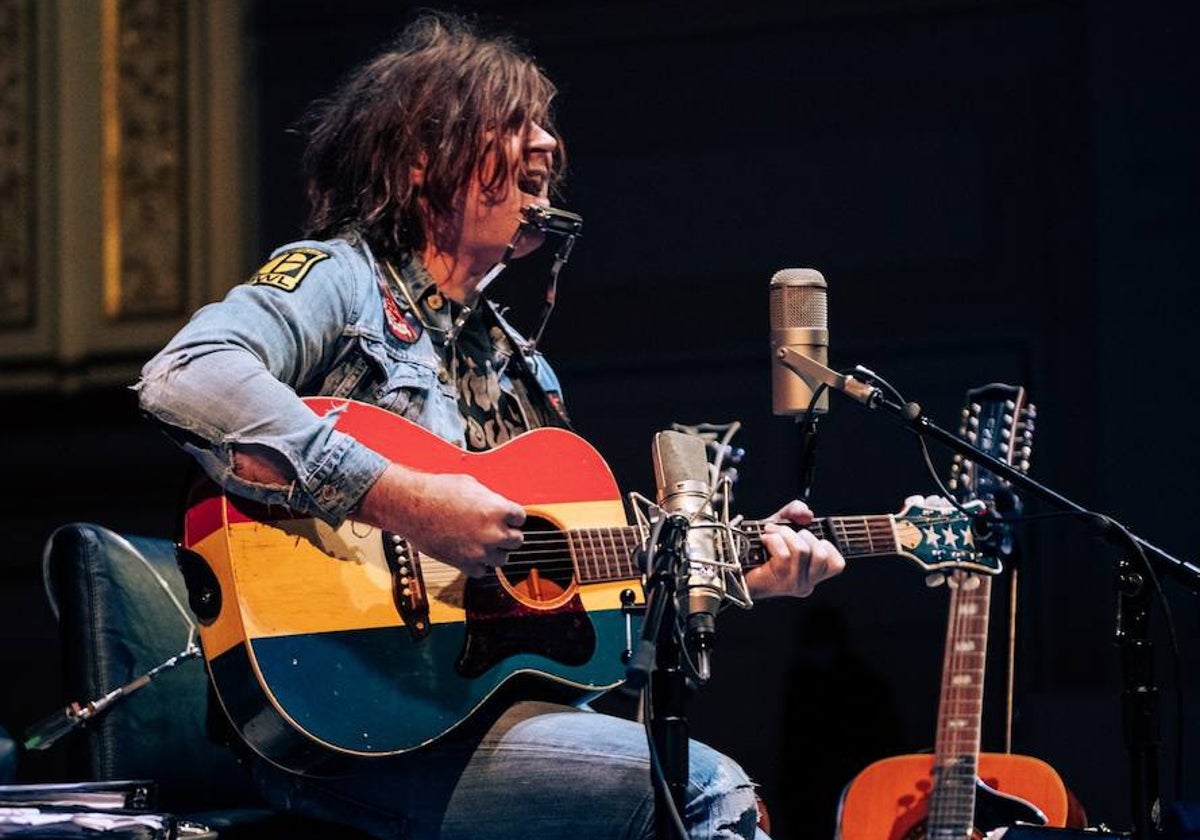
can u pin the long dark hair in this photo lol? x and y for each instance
(441, 97)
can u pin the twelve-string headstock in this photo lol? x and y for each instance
(998, 420)
(723, 456)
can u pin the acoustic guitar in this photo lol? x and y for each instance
(331, 644)
(959, 792)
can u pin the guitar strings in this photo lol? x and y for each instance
(841, 525)
(550, 550)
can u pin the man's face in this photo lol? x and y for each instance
(489, 219)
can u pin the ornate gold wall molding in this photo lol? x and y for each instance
(126, 170)
(17, 208)
(144, 190)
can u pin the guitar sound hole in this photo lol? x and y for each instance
(541, 570)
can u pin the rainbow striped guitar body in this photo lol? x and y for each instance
(326, 646)
(324, 643)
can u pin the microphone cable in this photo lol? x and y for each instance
(807, 465)
(1109, 525)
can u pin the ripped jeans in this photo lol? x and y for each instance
(540, 770)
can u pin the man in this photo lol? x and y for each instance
(419, 171)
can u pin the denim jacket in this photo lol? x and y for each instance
(318, 319)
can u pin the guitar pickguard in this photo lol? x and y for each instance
(526, 608)
(499, 626)
(993, 810)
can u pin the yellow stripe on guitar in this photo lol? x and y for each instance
(609, 513)
(299, 576)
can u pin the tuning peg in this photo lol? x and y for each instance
(935, 579)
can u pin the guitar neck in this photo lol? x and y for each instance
(999, 420)
(960, 709)
(609, 554)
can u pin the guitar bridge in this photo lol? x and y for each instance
(408, 586)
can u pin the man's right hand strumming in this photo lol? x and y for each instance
(453, 518)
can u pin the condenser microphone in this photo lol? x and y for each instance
(682, 476)
(799, 321)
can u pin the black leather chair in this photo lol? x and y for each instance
(122, 610)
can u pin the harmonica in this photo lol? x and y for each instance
(553, 220)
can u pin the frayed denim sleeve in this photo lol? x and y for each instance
(227, 383)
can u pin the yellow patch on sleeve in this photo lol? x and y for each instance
(288, 269)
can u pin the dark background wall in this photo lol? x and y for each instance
(995, 191)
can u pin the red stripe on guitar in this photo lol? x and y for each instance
(528, 469)
(545, 466)
(209, 510)
(204, 513)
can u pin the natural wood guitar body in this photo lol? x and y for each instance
(889, 800)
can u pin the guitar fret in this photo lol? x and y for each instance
(611, 547)
(889, 531)
(597, 572)
(632, 545)
(842, 532)
(579, 562)
(604, 554)
(607, 565)
(585, 557)
(877, 535)
(598, 554)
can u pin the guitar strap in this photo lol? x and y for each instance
(551, 406)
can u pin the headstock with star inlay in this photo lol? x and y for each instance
(931, 532)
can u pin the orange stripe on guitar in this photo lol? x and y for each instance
(226, 631)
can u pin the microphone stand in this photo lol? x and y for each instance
(808, 453)
(1140, 696)
(658, 658)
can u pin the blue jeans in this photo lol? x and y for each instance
(540, 770)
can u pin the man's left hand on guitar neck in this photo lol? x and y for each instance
(798, 559)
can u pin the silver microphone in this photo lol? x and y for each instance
(681, 474)
(799, 321)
